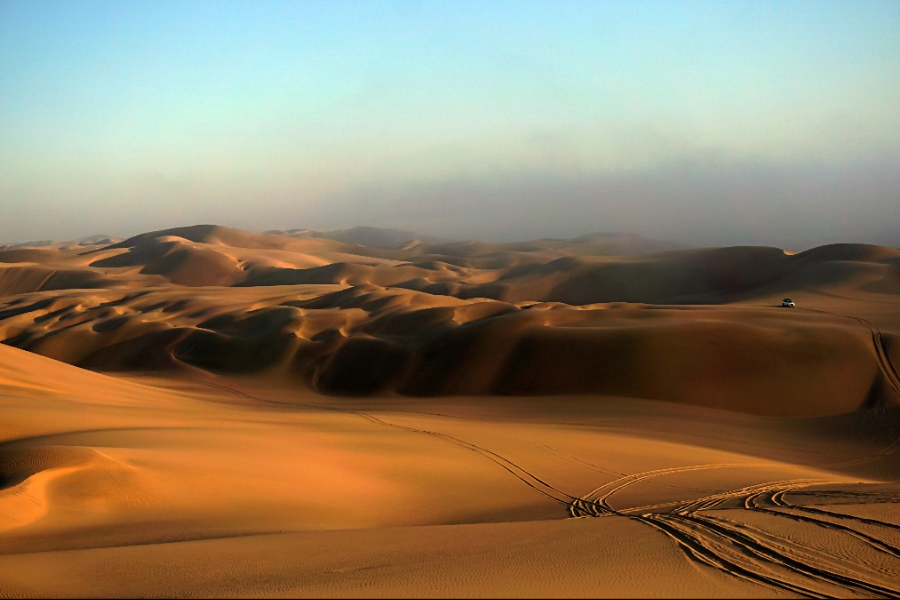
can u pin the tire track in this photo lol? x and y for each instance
(594, 504)
(745, 552)
(716, 556)
(885, 365)
(769, 555)
(525, 476)
(837, 515)
(574, 459)
(522, 474)
(776, 498)
(888, 371)
(881, 355)
(731, 547)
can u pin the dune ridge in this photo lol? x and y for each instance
(543, 317)
(203, 411)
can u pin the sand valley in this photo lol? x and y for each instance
(208, 412)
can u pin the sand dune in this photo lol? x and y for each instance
(366, 339)
(203, 411)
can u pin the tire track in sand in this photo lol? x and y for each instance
(888, 371)
(782, 508)
(885, 365)
(748, 553)
(522, 474)
(731, 547)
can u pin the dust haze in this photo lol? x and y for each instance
(704, 201)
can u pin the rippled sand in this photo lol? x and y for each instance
(209, 412)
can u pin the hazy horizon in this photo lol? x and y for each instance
(706, 123)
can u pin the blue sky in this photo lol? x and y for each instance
(709, 122)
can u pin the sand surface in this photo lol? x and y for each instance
(209, 412)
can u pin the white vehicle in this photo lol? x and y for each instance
(788, 303)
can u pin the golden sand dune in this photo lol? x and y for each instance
(203, 411)
(669, 326)
(367, 339)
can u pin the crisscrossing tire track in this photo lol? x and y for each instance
(747, 553)
(818, 517)
(733, 548)
(594, 504)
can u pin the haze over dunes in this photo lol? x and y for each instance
(619, 317)
(214, 412)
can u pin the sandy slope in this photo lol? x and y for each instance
(140, 486)
(298, 416)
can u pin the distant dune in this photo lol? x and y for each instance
(543, 317)
(204, 411)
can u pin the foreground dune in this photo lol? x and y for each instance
(137, 486)
(207, 412)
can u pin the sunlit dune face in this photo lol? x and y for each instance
(402, 299)
(297, 414)
(547, 317)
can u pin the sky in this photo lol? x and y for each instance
(706, 122)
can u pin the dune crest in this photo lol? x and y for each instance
(202, 411)
(544, 317)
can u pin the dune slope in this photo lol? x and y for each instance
(202, 411)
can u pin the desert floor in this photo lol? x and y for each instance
(206, 412)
